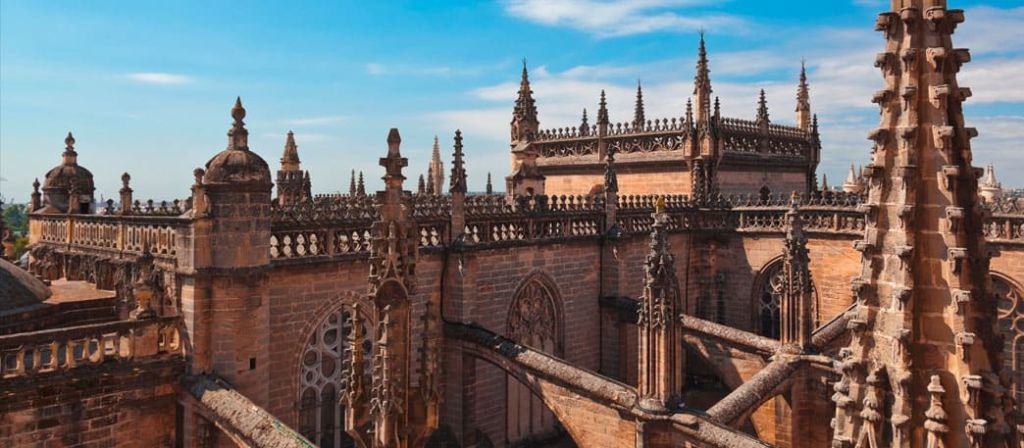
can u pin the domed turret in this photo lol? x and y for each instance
(237, 164)
(68, 185)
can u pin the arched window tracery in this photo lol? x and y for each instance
(767, 301)
(534, 319)
(322, 376)
(1011, 325)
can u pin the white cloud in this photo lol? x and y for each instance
(160, 78)
(379, 69)
(315, 121)
(612, 18)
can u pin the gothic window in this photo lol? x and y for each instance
(770, 300)
(1011, 324)
(322, 375)
(767, 301)
(534, 320)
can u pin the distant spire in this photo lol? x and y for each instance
(489, 189)
(290, 158)
(638, 109)
(584, 125)
(718, 108)
(437, 167)
(238, 136)
(762, 109)
(361, 187)
(430, 180)
(824, 182)
(524, 115)
(602, 110)
(702, 82)
(803, 101)
(989, 179)
(458, 179)
(421, 188)
(352, 184)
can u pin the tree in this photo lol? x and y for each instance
(16, 218)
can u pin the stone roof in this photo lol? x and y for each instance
(19, 290)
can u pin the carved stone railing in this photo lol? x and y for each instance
(489, 220)
(150, 207)
(118, 235)
(61, 349)
(1005, 223)
(738, 136)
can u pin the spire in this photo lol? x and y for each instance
(421, 187)
(361, 187)
(238, 136)
(762, 109)
(69, 157)
(437, 168)
(718, 109)
(524, 115)
(989, 179)
(803, 101)
(430, 180)
(814, 129)
(702, 83)
(584, 125)
(689, 111)
(638, 109)
(602, 110)
(852, 183)
(352, 184)
(824, 182)
(290, 158)
(796, 306)
(489, 189)
(458, 179)
(391, 203)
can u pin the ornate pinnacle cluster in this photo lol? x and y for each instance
(524, 115)
(584, 125)
(458, 180)
(797, 300)
(602, 110)
(762, 109)
(924, 305)
(361, 187)
(352, 184)
(489, 189)
(702, 83)
(660, 359)
(803, 101)
(238, 135)
(638, 109)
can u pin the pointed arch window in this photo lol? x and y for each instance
(534, 319)
(767, 301)
(321, 376)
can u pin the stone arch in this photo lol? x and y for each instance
(1010, 299)
(766, 296)
(713, 380)
(534, 319)
(320, 363)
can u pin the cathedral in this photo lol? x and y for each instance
(661, 282)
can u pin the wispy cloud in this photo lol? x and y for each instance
(842, 77)
(613, 18)
(315, 121)
(159, 78)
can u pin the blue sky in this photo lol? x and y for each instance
(147, 86)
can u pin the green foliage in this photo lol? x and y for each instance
(16, 218)
(20, 247)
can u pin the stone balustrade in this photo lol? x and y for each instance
(119, 235)
(61, 349)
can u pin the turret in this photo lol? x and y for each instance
(853, 182)
(292, 182)
(990, 188)
(68, 187)
(524, 116)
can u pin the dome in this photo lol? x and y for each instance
(237, 164)
(19, 290)
(69, 175)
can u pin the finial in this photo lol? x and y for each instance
(124, 179)
(602, 110)
(794, 199)
(69, 142)
(361, 188)
(238, 136)
(489, 188)
(198, 173)
(421, 186)
(689, 110)
(638, 110)
(718, 109)
(659, 205)
(35, 185)
(394, 141)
